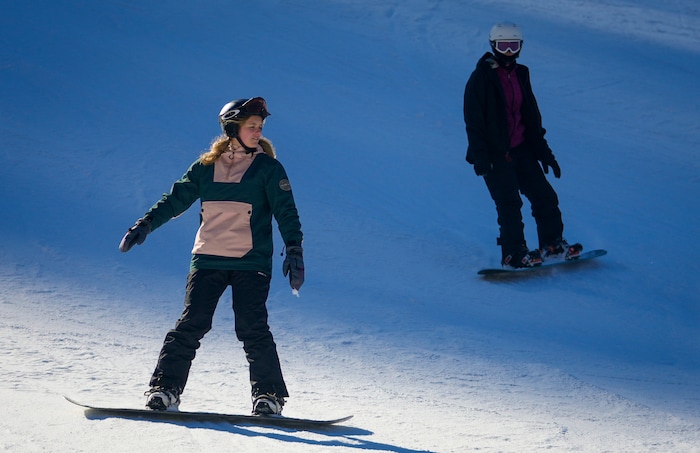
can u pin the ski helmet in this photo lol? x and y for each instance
(505, 32)
(506, 37)
(236, 111)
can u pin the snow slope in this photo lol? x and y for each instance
(105, 104)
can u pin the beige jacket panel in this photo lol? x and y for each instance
(225, 229)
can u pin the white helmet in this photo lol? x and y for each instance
(505, 32)
(506, 40)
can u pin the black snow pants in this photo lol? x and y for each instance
(204, 289)
(519, 172)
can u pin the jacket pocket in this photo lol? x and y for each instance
(225, 229)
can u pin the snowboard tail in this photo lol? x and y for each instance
(234, 419)
(546, 265)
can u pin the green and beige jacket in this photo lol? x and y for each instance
(239, 195)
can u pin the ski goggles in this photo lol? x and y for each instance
(505, 46)
(253, 106)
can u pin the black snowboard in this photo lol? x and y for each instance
(234, 419)
(546, 265)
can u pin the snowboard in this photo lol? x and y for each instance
(546, 265)
(278, 421)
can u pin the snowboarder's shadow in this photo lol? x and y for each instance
(336, 435)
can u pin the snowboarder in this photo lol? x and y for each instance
(241, 186)
(507, 146)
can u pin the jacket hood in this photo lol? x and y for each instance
(491, 61)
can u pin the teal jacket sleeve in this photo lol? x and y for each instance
(183, 194)
(281, 199)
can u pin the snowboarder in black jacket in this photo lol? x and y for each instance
(507, 146)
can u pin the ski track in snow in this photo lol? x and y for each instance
(538, 404)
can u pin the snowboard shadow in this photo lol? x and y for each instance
(336, 435)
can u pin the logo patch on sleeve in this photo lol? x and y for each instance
(284, 185)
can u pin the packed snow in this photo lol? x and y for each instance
(105, 104)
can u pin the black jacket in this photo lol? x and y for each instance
(485, 114)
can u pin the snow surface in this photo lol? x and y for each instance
(105, 104)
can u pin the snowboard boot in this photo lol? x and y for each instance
(267, 404)
(560, 249)
(162, 398)
(522, 258)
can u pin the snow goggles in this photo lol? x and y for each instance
(253, 106)
(505, 46)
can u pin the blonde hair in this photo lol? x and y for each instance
(223, 143)
(219, 146)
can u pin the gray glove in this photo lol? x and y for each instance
(136, 234)
(294, 266)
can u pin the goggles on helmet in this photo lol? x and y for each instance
(505, 46)
(253, 106)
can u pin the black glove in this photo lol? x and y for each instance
(294, 266)
(482, 165)
(550, 161)
(136, 234)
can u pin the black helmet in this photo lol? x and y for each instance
(240, 109)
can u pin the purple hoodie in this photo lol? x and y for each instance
(514, 100)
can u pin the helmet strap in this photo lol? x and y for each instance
(247, 149)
